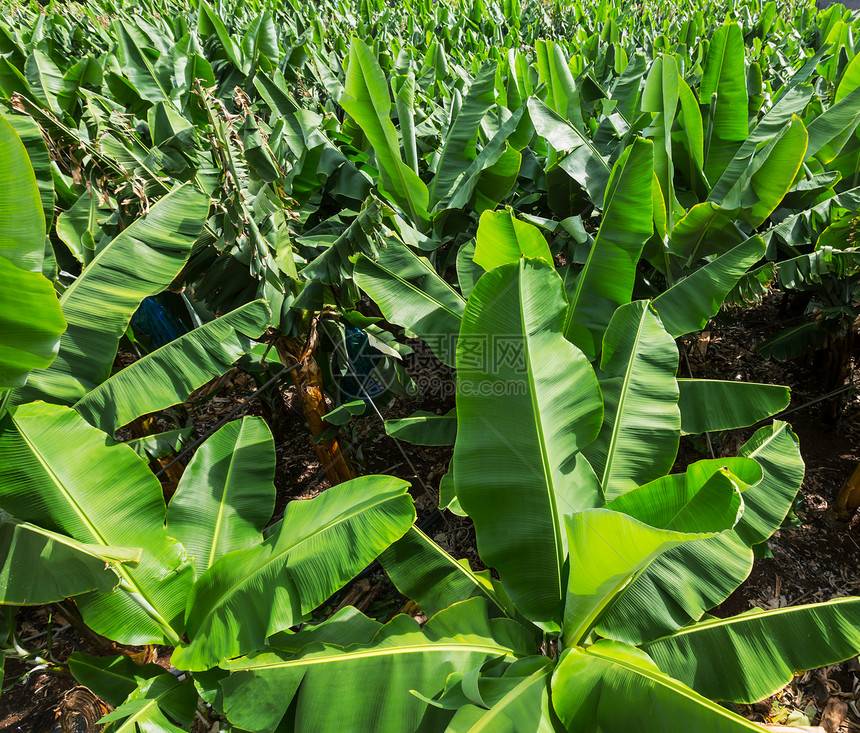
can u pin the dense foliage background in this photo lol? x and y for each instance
(541, 200)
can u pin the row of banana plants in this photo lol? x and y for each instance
(598, 182)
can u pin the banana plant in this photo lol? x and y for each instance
(600, 304)
(601, 601)
(183, 578)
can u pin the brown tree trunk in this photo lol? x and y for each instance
(848, 500)
(309, 386)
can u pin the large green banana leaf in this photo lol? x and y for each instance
(776, 448)
(562, 95)
(57, 472)
(661, 96)
(685, 501)
(410, 293)
(458, 150)
(639, 437)
(634, 545)
(38, 566)
(777, 172)
(615, 688)
(680, 585)
(210, 24)
(317, 547)
(45, 79)
(30, 317)
(687, 305)
(503, 238)
(362, 235)
(367, 687)
(78, 229)
(31, 135)
(705, 230)
(606, 280)
(830, 130)
(404, 102)
(497, 180)
(761, 184)
(725, 75)
(757, 653)
(424, 572)
(850, 80)
(170, 374)
(151, 80)
(98, 306)
(713, 404)
(778, 117)
(518, 467)
(344, 627)
(366, 100)
(225, 496)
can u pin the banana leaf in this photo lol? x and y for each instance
(724, 74)
(593, 586)
(607, 686)
(141, 261)
(30, 317)
(114, 678)
(38, 566)
(56, 472)
(168, 375)
(684, 583)
(154, 705)
(755, 654)
(319, 545)
(502, 238)
(606, 280)
(31, 135)
(367, 686)
(225, 496)
(638, 440)
(410, 293)
(518, 468)
(366, 100)
(424, 572)
(424, 428)
(458, 149)
(687, 305)
(517, 701)
(713, 404)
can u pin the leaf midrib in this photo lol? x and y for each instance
(462, 569)
(219, 520)
(414, 288)
(674, 686)
(550, 486)
(430, 647)
(622, 398)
